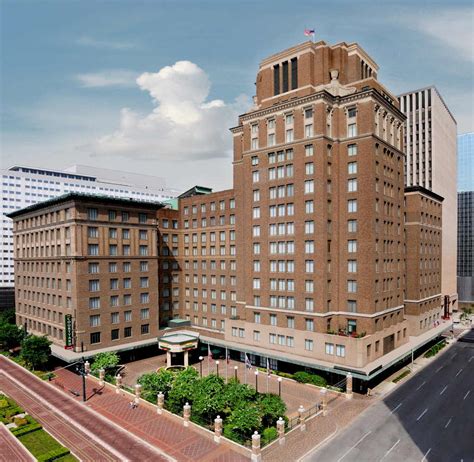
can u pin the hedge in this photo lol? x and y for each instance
(54, 454)
(306, 377)
(21, 431)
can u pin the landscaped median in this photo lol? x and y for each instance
(31, 434)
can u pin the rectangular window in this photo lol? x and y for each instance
(145, 329)
(127, 331)
(352, 286)
(294, 73)
(285, 77)
(94, 302)
(352, 149)
(309, 207)
(92, 231)
(352, 168)
(309, 323)
(113, 249)
(143, 266)
(276, 79)
(352, 185)
(352, 306)
(114, 334)
(142, 217)
(308, 130)
(352, 246)
(289, 135)
(309, 186)
(95, 337)
(93, 249)
(92, 214)
(329, 348)
(340, 351)
(94, 320)
(308, 345)
(93, 268)
(112, 215)
(351, 130)
(94, 285)
(352, 266)
(352, 226)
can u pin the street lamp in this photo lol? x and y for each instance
(83, 369)
(200, 365)
(279, 386)
(235, 372)
(256, 380)
(217, 367)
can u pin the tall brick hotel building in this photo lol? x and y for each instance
(318, 257)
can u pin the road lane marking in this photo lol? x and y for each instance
(454, 355)
(470, 359)
(424, 457)
(443, 390)
(422, 414)
(465, 396)
(460, 370)
(439, 368)
(393, 410)
(390, 450)
(352, 447)
(447, 423)
(421, 385)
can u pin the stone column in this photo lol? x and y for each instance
(118, 383)
(186, 358)
(186, 414)
(168, 358)
(324, 401)
(256, 453)
(302, 418)
(101, 377)
(160, 402)
(217, 429)
(138, 392)
(349, 386)
(281, 430)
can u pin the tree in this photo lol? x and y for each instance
(154, 382)
(243, 421)
(235, 393)
(35, 351)
(10, 335)
(107, 360)
(271, 408)
(182, 390)
(8, 316)
(208, 399)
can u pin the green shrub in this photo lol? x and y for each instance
(306, 377)
(26, 429)
(3, 403)
(53, 454)
(20, 421)
(268, 435)
(11, 411)
(401, 376)
(285, 374)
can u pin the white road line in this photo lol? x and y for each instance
(470, 359)
(439, 368)
(421, 385)
(422, 414)
(460, 370)
(447, 423)
(352, 447)
(390, 450)
(443, 390)
(393, 410)
(424, 457)
(465, 396)
(454, 355)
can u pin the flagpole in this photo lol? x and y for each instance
(208, 364)
(226, 365)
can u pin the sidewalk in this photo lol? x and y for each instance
(11, 449)
(161, 431)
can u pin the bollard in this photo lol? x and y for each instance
(256, 455)
(281, 430)
(302, 418)
(349, 386)
(160, 402)
(101, 377)
(87, 367)
(138, 392)
(186, 414)
(217, 429)
(118, 383)
(324, 401)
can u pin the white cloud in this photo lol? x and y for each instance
(454, 27)
(183, 125)
(108, 78)
(105, 44)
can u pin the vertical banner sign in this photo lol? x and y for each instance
(68, 331)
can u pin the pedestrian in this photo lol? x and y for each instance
(130, 405)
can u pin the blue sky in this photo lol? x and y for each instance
(69, 75)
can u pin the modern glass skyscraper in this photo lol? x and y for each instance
(466, 162)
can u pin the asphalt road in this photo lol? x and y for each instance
(428, 418)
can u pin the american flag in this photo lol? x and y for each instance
(269, 370)
(247, 361)
(309, 32)
(209, 352)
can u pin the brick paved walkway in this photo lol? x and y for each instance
(164, 432)
(11, 450)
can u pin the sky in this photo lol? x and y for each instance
(153, 86)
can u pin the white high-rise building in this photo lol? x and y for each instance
(24, 186)
(431, 162)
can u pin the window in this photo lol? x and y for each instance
(143, 235)
(256, 318)
(127, 316)
(113, 249)
(309, 168)
(256, 195)
(309, 304)
(256, 336)
(340, 351)
(309, 323)
(145, 329)
(114, 318)
(114, 300)
(112, 215)
(309, 207)
(94, 285)
(93, 268)
(94, 302)
(144, 298)
(308, 130)
(112, 267)
(114, 334)
(142, 218)
(256, 283)
(127, 331)
(126, 250)
(352, 205)
(352, 245)
(143, 250)
(93, 249)
(352, 306)
(256, 212)
(352, 226)
(352, 286)
(308, 345)
(127, 283)
(92, 231)
(309, 246)
(271, 139)
(256, 176)
(95, 337)
(92, 214)
(127, 299)
(352, 168)
(273, 319)
(351, 130)
(125, 216)
(113, 233)
(94, 320)
(143, 266)
(351, 112)
(329, 348)
(308, 150)
(309, 186)
(144, 282)
(309, 266)
(114, 284)
(352, 266)
(352, 149)
(352, 185)
(289, 135)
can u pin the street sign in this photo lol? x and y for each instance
(68, 332)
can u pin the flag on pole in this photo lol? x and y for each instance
(309, 32)
(248, 364)
(209, 352)
(227, 357)
(269, 371)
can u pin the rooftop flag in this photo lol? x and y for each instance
(309, 32)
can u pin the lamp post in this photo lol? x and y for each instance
(217, 367)
(279, 386)
(235, 372)
(200, 365)
(256, 380)
(83, 370)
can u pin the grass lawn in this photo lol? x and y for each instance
(39, 442)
